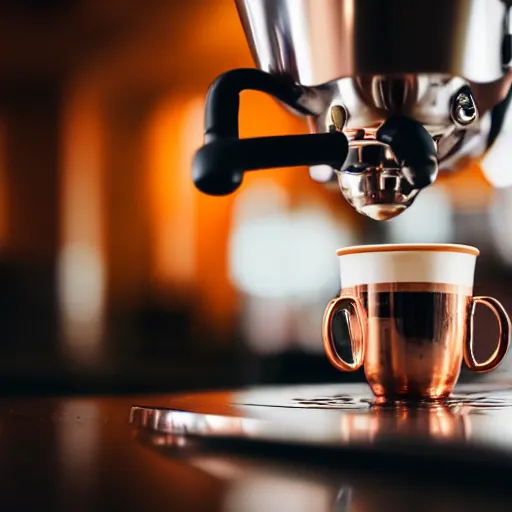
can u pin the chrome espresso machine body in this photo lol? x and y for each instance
(393, 92)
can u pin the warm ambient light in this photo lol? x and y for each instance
(81, 277)
(175, 131)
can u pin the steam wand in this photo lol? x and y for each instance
(219, 165)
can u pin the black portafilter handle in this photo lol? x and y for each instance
(414, 147)
(219, 165)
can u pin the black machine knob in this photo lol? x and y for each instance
(414, 147)
(219, 165)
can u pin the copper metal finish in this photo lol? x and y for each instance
(361, 249)
(415, 337)
(438, 422)
(503, 336)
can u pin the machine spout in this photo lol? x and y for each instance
(389, 102)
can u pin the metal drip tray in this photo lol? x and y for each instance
(340, 415)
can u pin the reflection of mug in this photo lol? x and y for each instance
(409, 309)
(435, 423)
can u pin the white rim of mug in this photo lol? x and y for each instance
(360, 249)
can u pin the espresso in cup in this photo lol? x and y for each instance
(410, 312)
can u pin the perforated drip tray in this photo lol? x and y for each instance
(334, 414)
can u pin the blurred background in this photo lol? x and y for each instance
(115, 273)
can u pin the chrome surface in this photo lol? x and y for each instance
(318, 41)
(359, 62)
(334, 414)
(360, 105)
(464, 110)
(372, 181)
(367, 101)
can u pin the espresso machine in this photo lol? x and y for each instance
(393, 93)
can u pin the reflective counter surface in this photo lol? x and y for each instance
(326, 449)
(339, 415)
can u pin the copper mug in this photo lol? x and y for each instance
(409, 311)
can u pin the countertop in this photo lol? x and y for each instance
(81, 454)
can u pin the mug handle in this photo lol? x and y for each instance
(344, 303)
(503, 337)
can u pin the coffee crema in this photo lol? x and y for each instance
(413, 337)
